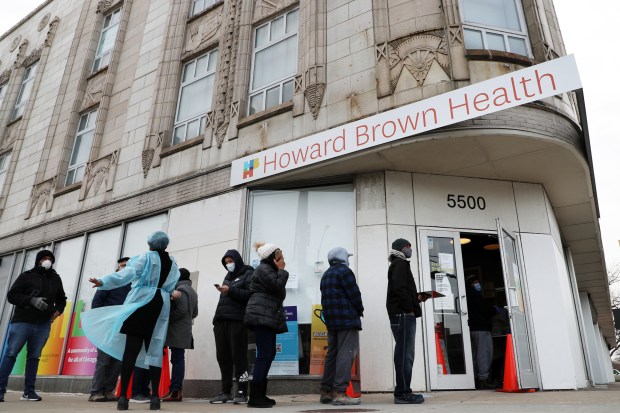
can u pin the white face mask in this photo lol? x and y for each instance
(230, 267)
(47, 264)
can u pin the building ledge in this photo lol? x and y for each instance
(498, 56)
(181, 146)
(67, 189)
(265, 114)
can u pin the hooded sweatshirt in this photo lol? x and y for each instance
(231, 306)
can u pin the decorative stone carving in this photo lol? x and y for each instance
(455, 34)
(104, 5)
(314, 95)
(4, 76)
(21, 52)
(42, 194)
(10, 136)
(154, 143)
(264, 8)
(381, 51)
(32, 57)
(94, 90)
(416, 54)
(299, 84)
(97, 172)
(15, 42)
(51, 32)
(201, 31)
(44, 22)
(550, 54)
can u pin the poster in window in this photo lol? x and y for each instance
(286, 362)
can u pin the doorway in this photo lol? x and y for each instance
(447, 260)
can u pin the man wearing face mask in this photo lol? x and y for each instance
(231, 335)
(39, 298)
(403, 307)
(480, 315)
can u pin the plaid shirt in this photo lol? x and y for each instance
(341, 299)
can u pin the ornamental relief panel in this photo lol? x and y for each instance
(264, 8)
(417, 54)
(97, 172)
(10, 136)
(94, 90)
(105, 5)
(42, 194)
(4, 76)
(201, 32)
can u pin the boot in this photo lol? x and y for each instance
(155, 403)
(257, 395)
(122, 404)
(270, 400)
(173, 396)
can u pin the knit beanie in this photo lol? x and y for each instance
(44, 253)
(264, 250)
(184, 274)
(399, 244)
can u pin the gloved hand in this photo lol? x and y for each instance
(39, 303)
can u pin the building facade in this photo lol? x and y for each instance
(122, 117)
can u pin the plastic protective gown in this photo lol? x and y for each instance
(102, 325)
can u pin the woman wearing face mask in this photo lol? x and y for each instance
(231, 336)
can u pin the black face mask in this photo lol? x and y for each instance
(407, 252)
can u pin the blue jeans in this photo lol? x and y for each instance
(177, 358)
(265, 352)
(36, 336)
(403, 329)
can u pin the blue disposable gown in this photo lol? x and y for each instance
(102, 325)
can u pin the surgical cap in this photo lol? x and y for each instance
(158, 240)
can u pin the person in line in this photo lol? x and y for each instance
(142, 321)
(480, 319)
(39, 298)
(231, 335)
(182, 313)
(341, 301)
(403, 307)
(265, 315)
(107, 367)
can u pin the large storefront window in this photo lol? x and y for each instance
(305, 224)
(6, 263)
(137, 232)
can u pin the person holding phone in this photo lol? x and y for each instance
(231, 335)
(265, 315)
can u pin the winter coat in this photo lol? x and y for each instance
(182, 311)
(104, 298)
(268, 290)
(402, 293)
(37, 282)
(341, 299)
(102, 325)
(231, 306)
(479, 312)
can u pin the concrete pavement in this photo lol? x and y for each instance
(599, 400)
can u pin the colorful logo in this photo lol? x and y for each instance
(248, 168)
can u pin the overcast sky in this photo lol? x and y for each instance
(589, 33)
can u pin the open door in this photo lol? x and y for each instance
(526, 371)
(447, 332)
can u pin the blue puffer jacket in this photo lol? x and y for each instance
(340, 296)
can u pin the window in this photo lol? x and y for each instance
(495, 25)
(24, 92)
(2, 93)
(200, 5)
(274, 62)
(4, 167)
(107, 39)
(81, 147)
(194, 97)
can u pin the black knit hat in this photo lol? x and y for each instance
(44, 253)
(399, 244)
(123, 259)
(470, 279)
(184, 274)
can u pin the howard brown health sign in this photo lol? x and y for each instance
(503, 92)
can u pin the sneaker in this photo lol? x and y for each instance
(110, 396)
(240, 398)
(341, 399)
(327, 396)
(97, 397)
(409, 399)
(139, 398)
(31, 396)
(1, 397)
(221, 398)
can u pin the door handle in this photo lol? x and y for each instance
(461, 312)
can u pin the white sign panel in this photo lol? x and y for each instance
(502, 92)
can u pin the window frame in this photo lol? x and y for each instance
(205, 5)
(3, 87)
(5, 161)
(20, 104)
(484, 30)
(100, 56)
(87, 129)
(201, 117)
(282, 81)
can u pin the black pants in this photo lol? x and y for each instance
(231, 344)
(265, 352)
(132, 349)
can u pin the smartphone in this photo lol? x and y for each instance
(216, 285)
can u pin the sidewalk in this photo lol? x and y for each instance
(600, 400)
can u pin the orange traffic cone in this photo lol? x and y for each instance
(351, 392)
(440, 360)
(511, 385)
(164, 380)
(117, 392)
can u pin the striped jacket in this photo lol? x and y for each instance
(341, 299)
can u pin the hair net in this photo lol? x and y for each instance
(158, 240)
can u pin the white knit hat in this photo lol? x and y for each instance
(264, 250)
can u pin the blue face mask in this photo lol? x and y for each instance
(407, 252)
(477, 287)
(230, 267)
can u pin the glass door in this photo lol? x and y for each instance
(526, 372)
(447, 332)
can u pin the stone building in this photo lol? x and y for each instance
(121, 117)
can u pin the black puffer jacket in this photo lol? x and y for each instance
(480, 313)
(37, 282)
(268, 289)
(402, 293)
(231, 306)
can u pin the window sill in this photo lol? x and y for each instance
(14, 121)
(265, 114)
(181, 146)
(69, 188)
(97, 73)
(205, 11)
(498, 56)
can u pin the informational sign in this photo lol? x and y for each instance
(318, 341)
(443, 286)
(446, 262)
(503, 92)
(286, 362)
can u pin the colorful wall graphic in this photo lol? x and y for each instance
(318, 341)
(80, 354)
